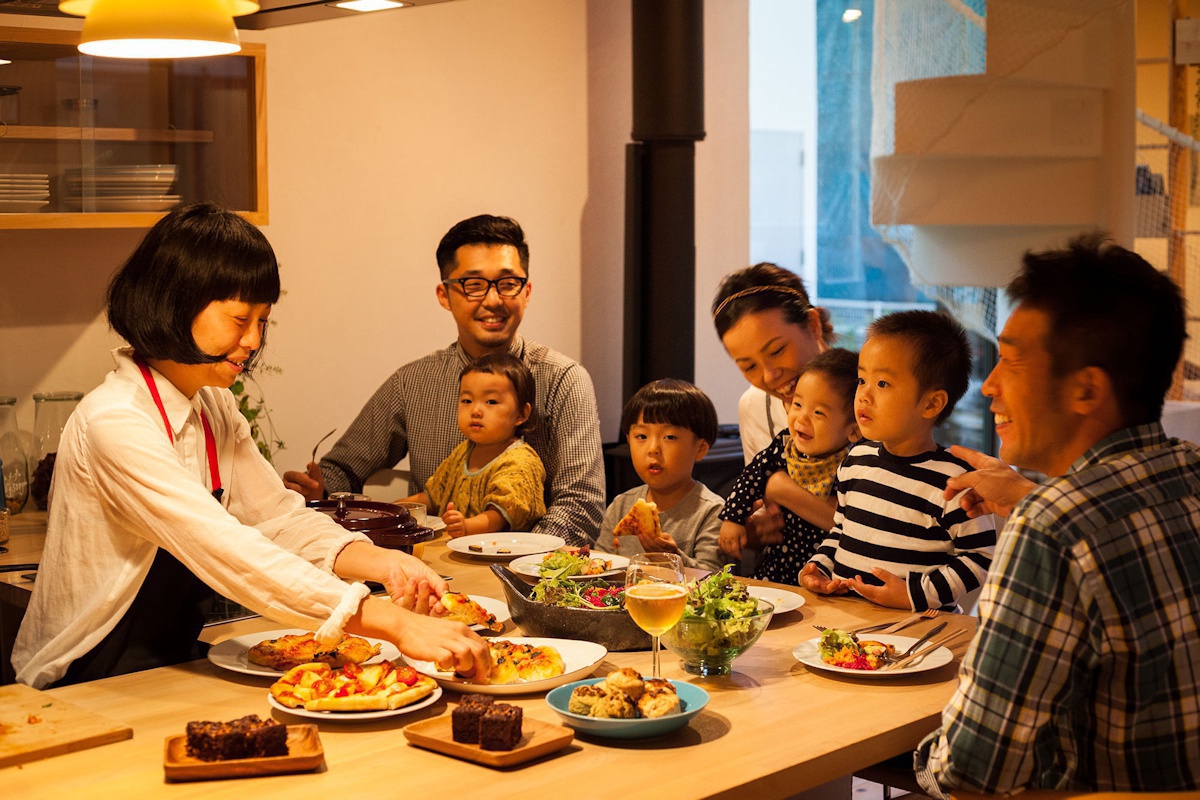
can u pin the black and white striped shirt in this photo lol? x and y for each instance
(415, 413)
(891, 514)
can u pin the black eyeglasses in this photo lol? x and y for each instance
(475, 288)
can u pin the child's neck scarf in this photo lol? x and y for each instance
(816, 475)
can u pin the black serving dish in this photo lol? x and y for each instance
(386, 524)
(613, 628)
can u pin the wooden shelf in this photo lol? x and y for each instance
(51, 132)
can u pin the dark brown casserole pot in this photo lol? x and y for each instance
(387, 525)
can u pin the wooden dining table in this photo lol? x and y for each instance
(772, 728)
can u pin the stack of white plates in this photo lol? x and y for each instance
(21, 193)
(138, 187)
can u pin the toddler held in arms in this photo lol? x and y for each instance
(798, 468)
(669, 424)
(895, 540)
(492, 481)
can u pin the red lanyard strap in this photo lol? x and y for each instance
(210, 441)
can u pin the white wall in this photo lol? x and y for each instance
(384, 130)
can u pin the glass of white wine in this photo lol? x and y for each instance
(655, 595)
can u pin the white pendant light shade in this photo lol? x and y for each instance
(158, 28)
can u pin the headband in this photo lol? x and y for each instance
(755, 290)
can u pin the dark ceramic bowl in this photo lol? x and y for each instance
(613, 628)
(386, 524)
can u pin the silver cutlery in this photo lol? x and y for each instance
(936, 644)
(319, 442)
(904, 623)
(934, 631)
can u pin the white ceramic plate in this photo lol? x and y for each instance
(806, 653)
(434, 524)
(356, 716)
(231, 654)
(783, 600)
(505, 545)
(580, 660)
(492, 606)
(529, 566)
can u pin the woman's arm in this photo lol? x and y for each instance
(784, 491)
(396, 570)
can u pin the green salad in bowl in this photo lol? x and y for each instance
(720, 622)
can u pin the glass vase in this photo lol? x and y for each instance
(12, 456)
(50, 413)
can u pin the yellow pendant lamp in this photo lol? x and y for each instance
(158, 28)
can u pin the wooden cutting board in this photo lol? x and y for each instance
(36, 725)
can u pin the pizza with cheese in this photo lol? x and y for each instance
(461, 608)
(374, 687)
(641, 520)
(303, 648)
(514, 662)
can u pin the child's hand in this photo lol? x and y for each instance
(732, 539)
(658, 544)
(814, 579)
(456, 523)
(893, 593)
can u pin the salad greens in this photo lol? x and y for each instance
(565, 563)
(724, 602)
(833, 641)
(597, 594)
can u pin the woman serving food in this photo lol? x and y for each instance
(161, 498)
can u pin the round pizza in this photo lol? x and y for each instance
(353, 687)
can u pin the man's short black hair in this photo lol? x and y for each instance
(941, 352)
(483, 229)
(517, 372)
(195, 255)
(1108, 308)
(672, 402)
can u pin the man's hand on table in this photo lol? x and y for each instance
(309, 484)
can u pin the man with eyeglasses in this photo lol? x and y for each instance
(484, 264)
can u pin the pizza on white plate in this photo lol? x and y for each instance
(461, 608)
(514, 662)
(353, 687)
(294, 649)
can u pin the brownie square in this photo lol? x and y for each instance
(464, 721)
(500, 728)
(248, 737)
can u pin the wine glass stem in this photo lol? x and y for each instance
(654, 669)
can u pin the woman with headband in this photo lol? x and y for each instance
(771, 330)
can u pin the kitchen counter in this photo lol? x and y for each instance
(771, 729)
(27, 534)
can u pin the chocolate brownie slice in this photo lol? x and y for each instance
(464, 719)
(248, 737)
(500, 728)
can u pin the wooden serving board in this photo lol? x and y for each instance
(537, 739)
(304, 755)
(36, 725)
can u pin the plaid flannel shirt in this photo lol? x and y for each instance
(1085, 672)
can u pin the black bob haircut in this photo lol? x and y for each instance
(672, 402)
(506, 365)
(195, 255)
(484, 229)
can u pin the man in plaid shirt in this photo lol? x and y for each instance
(1085, 671)
(484, 264)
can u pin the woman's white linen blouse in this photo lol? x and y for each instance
(122, 490)
(760, 417)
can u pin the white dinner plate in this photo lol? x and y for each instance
(231, 654)
(492, 606)
(505, 545)
(806, 653)
(580, 660)
(356, 716)
(530, 566)
(783, 600)
(435, 524)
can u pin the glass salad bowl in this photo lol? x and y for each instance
(708, 647)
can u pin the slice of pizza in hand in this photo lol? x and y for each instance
(461, 608)
(641, 520)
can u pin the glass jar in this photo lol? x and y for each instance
(13, 463)
(50, 413)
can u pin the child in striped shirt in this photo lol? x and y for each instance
(895, 540)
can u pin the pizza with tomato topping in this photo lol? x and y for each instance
(302, 648)
(353, 687)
